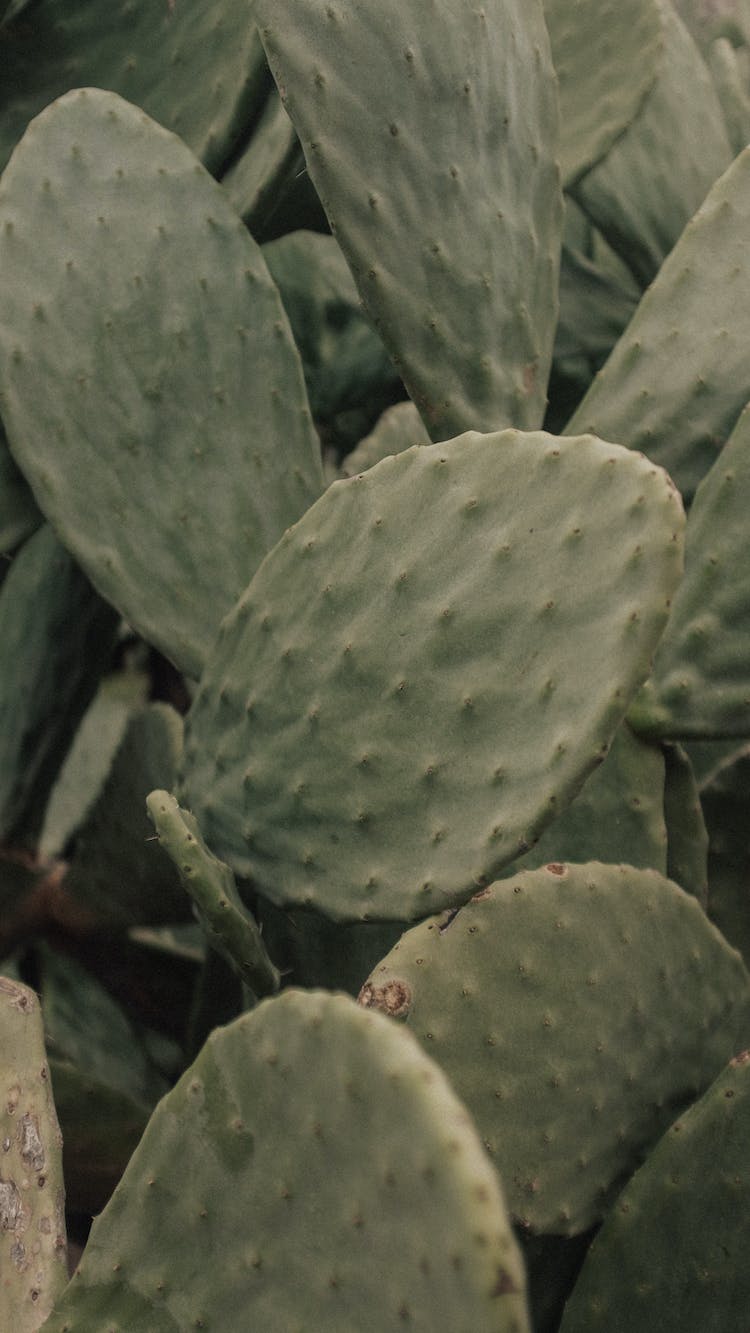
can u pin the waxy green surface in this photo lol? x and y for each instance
(427, 666)
(321, 1164)
(430, 134)
(151, 389)
(575, 1009)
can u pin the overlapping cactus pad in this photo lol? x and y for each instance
(326, 1167)
(575, 1010)
(673, 1254)
(427, 666)
(152, 390)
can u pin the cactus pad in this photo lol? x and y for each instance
(575, 1009)
(672, 1257)
(321, 1167)
(430, 134)
(427, 666)
(152, 392)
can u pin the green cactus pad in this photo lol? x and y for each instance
(672, 1256)
(397, 429)
(55, 637)
(32, 1197)
(575, 1010)
(344, 361)
(606, 56)
(152, 392)
(104, 1084)
(725, 798)
(426, 668)
(117, 868)
(595, 307)
(678, 378)
(617, 816)
(199, 70)
(687, 837)
(230, 928)
(430, 133)
(729, 73)
(312, 1170)
(700, 687)
(650, 184)
(256, 179)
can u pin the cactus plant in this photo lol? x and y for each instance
(413, 652)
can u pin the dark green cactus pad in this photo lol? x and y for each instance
(313, 951)
(32, 1196)
(656, 175)
(256, 178)
(56, 635)
(617, 816)
(312, 1170)
(397, 429)
(678, 378)
(687, 837)
(152, 392)
(104, 1083)
(116, 868)
(595, 307)
(19, 515)
(231, 929)
(700, 687)
(672, 1255)
(198, 70)
(575, 1009)
(430, 133)
(426, 668)
(345, 363)
(725, 797)
(606, 55)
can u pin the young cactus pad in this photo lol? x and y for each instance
(326, 1177)
(151, 389)
(575, 1010)
(427, 666)
(33, 1251)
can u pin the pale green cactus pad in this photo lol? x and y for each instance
(575, 1010)
(672, 1256)
(430, 134)
(312, 1170)
(678, 378)
(700, 687)
(606, 56)
(397, 429)
(152, 392)
(657, 174)
(427, 666)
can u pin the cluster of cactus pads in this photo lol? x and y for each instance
(374, 666)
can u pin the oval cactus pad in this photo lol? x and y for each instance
(430, 135)
(151, 389)
(576, 1010)
(312, 1170)
(427, 666)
